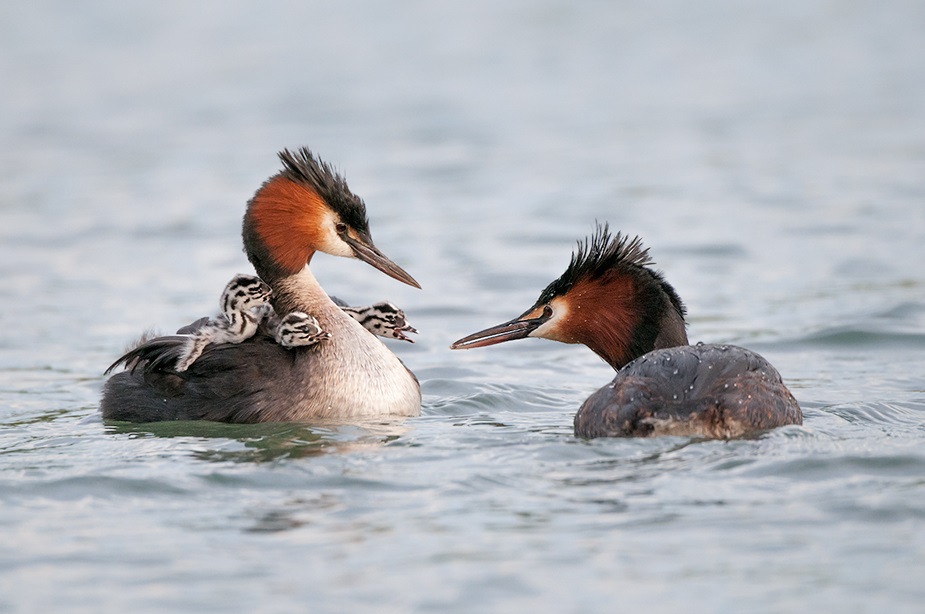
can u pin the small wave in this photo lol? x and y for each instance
(909, 413)
(470, 398)
(80, 487)
(846, 465)
(852, 337)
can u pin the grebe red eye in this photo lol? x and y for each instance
(341, 228)
(547, 311)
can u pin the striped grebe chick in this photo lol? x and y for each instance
(245, 303)
(298, 329)
(383, 319)
(612, 300)
(245, 306)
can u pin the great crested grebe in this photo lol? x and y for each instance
(306, 207)
(611, 300)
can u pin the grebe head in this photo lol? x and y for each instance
(307, 207)
(609, 299)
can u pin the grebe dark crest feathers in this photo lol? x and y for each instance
(303, 167)
(596, 255)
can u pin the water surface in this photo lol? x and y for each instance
(772, 157)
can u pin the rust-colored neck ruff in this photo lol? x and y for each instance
(282, 227)
(603, 315)
(622, 316)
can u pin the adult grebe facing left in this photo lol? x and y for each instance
(305, 208)
(610, 300)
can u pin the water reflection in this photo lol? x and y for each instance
(768, 154)
(269, 442)
(290, 515)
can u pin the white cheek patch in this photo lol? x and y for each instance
(330, 242)
(552, 328)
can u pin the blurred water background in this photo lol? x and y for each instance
(771, 154)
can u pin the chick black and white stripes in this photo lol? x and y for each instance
(245, 304)
(383, 319)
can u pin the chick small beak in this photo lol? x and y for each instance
(518, 328)
(368, 253)
(399, 333)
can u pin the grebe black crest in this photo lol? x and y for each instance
(612, 300)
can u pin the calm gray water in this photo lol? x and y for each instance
(772, 157)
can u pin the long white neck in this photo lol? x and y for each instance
(353, 373)
(302, 292)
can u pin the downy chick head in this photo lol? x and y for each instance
(245, 292)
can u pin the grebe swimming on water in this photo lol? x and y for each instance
(305, 208)
(611, 300)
